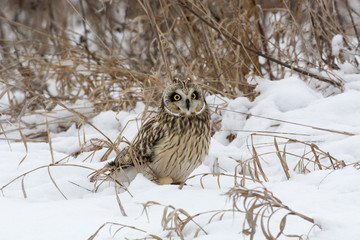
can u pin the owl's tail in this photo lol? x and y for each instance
(121, 175)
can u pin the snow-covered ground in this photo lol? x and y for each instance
(59, 203)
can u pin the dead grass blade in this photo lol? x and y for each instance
(82, 187)
(282, 158)
(6, 137)
(23, 187)
(23, 139)
(53, 181)
(49, 139)
(121, 207)
(257, 160)
(317, 162)
(258, 164)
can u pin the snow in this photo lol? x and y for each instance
(59, 203)
(337, 44)
(337, 47)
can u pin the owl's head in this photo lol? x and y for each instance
(183, 98)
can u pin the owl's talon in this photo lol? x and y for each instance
(165, 181)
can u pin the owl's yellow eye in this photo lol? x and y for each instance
(176, 97)
(193, 95)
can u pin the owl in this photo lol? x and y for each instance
(170, 145)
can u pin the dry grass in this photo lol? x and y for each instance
(258, 208)
(113, 54)
(115, 58)
(312, 159)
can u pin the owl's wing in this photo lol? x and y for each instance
(141, 149)
(149, 135)
(142, 146)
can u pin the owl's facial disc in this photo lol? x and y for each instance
(185, 103)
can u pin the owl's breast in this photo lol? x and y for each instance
(178, 153)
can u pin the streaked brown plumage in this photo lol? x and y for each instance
(175, 141)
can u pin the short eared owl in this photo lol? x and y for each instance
(174, 142)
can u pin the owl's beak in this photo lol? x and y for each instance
(187, 102)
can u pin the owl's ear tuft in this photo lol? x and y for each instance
(176, 80)
(184, 82)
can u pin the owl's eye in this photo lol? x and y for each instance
(176, 97)
(194, 95)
